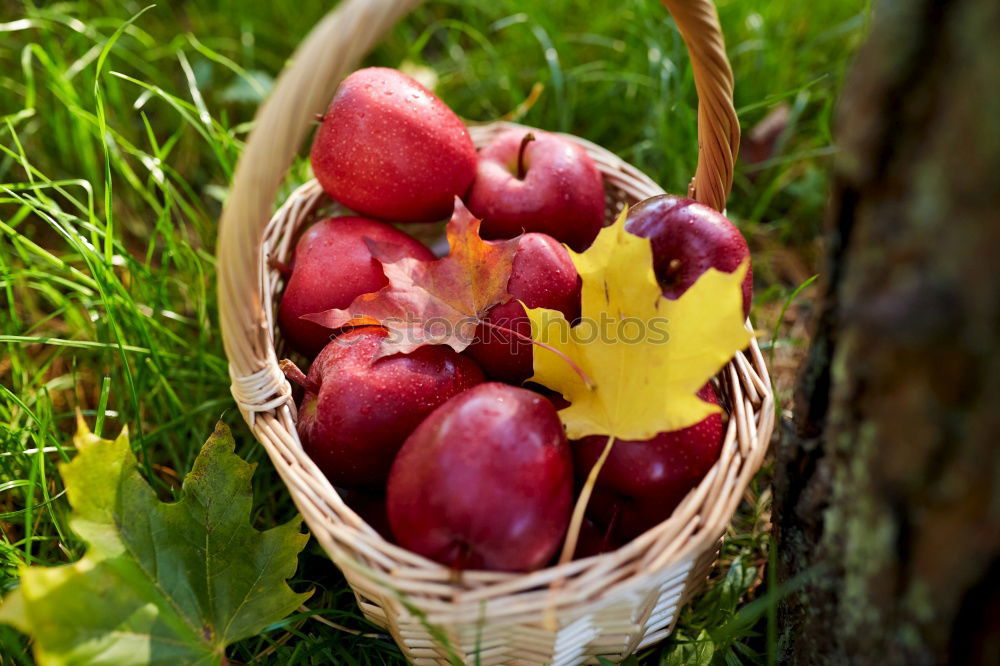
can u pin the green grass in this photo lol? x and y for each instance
(117, 143)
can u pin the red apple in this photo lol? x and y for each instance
(688, 238)
(594, 540)
(485, 482)
(356, 413)
(643, 481)
(370, 506)
(388, 148)
(544, 184)
(331, 267)
(542, 276)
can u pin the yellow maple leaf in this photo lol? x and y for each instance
(645, 356)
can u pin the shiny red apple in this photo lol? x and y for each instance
(485, 482)
(542, 276)
(643, 481)
(331, 267)
(388, 148)
(688, 238)
(357, 412)
(529, 180)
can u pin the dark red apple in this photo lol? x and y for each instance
(485, 482)
(544, 184)
(331, 267)
(594, 540)
(356, 413)
(388, 148)
(542, 276)
(643, 481)
(370, 506)
(688, 238)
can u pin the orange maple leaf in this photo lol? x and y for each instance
(438, 302)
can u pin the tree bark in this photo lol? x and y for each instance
(884, 494)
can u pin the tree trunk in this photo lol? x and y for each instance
(885, 501)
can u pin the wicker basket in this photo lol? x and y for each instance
(608, 605)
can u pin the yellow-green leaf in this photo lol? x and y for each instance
(645, 356)
(160, 583)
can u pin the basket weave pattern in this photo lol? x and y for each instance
(608, 605)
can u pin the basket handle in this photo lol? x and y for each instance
(718, 127)
(304, 89)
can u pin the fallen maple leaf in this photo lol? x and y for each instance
(639, 371)
(160, 583)
(437, 302)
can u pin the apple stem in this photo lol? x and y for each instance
(576, 522)
(528, 138)
(294, 374)
(577, 369)
(279, 266)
